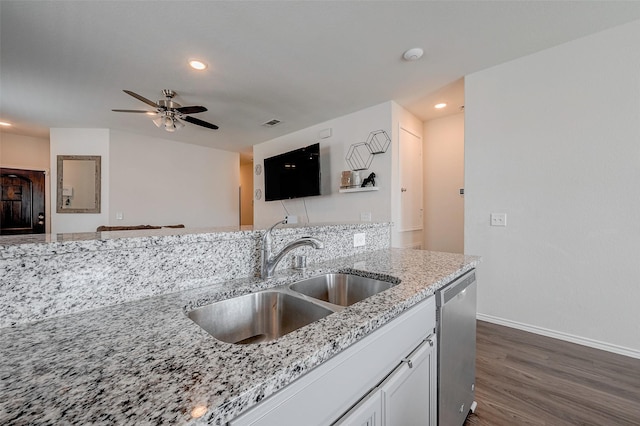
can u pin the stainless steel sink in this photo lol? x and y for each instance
(340, 289)
(257, 317)
(270, 314)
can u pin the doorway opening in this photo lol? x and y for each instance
(246, 190)
(22, 201)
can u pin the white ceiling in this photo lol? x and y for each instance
(65, 63)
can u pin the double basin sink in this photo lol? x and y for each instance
(267, 315)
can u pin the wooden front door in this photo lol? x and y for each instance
(22, 204)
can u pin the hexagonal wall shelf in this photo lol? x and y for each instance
(359, 156)
(378, 142)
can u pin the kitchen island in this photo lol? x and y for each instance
(145, 362)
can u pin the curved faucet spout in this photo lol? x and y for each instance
(269, 263)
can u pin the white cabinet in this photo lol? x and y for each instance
(367, 412)
(409, 393)
(324, 394)
(406, 397)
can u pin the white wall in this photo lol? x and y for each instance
(443, 179)
(28, 153)
(332, 206)
(159, 182)
(24, 152)
(553, 140)
(79, 142)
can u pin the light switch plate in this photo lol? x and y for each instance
(365, 217)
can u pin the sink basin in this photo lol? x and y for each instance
(256, 317)
(340, 289)
(270, 314)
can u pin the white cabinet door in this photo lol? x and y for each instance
(409, 393)
(410, 166)
(319, 397)
(367, 412)
(407, 397)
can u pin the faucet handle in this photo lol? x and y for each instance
(282, 222)
(315, 242)
(266, 237)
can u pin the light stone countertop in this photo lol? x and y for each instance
(145, 362)
(16, 246)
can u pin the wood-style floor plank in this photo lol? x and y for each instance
(528, 379)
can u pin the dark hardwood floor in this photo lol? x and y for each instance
(527, 379)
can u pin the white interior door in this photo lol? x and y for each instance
(410, 166)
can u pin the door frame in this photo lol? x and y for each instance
(47, 191)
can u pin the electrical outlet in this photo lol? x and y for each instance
(292, 219)
(498, 219)
(365, 217)
(119, 215)
(359, 240)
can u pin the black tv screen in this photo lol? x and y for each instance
(293, 174)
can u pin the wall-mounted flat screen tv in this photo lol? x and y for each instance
(294, 174)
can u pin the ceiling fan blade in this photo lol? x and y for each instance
(191, 109)
(199, 122)
(134, 110)
(141, 98)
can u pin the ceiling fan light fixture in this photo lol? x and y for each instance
(177, 124)
(169, 123)
(158, 121)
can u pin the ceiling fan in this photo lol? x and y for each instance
(170, 113)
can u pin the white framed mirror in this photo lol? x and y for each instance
(78, 186)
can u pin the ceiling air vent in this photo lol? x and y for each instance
(271, 123)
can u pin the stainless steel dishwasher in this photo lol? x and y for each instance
(456, 330)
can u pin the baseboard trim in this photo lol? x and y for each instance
(621, 350)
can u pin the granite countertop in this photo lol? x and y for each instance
(15, 246)
(145, 362)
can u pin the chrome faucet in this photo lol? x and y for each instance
(269, 263)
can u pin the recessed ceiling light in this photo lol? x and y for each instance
(4, 124)
(440, 106)
(197, 65)
(413, 54)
